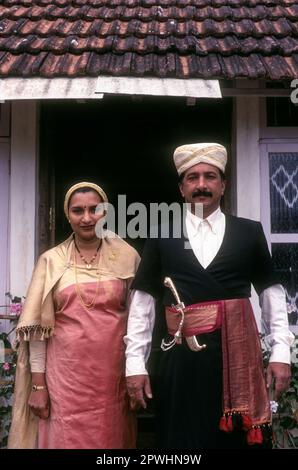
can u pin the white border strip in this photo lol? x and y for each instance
(193, 88)
(94, 88)
(48, 88)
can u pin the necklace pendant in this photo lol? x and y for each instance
(88, 266)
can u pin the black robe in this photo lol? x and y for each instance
(189, 384)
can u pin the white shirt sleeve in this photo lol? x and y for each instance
(275, 323)
(139, 332)
(37, 357)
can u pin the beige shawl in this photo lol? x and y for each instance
(118, 260)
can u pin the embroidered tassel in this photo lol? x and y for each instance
(223, 424)
(251, 436)
(230, 422)
(258, 436)
(246, 422)
(254, 436)
(235, 421)
(30, 332)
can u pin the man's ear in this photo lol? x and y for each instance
(181, 190)
(223, 187)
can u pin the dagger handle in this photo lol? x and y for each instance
(169, 283)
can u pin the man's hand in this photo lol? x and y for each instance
(281, 373)
(39, 402)
(138, 388)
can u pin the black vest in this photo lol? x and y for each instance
(243, 259)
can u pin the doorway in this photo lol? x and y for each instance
(123, 143)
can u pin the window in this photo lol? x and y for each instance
(279, 176)
(283, 173)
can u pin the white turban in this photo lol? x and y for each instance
(189, 155)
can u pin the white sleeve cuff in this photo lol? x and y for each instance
(275, 323)
(37, 356)
(280, 353)
(139, 332)
(135, 366)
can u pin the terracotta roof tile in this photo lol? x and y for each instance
(276, 68)
(292, 63)
(175, 38)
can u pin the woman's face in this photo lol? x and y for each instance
(82, 215)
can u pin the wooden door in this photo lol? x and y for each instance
(47, 187)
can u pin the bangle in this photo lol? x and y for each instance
(38, 387)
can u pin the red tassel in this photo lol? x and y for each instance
(251, 436)
(230, 424)
(258, 436)
(246, 422)
(254, 436)
(223, 424)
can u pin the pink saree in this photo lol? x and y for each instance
(85, 368)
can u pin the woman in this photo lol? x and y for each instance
(70, 390)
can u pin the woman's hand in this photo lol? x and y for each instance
(39, 403)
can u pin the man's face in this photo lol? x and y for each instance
(202, 183)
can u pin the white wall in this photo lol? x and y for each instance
(248, 158)
(23, 193)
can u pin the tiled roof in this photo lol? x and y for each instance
(165, 38)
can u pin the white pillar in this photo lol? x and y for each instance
(248, 167)
(23, 194)
(248, 157)
(4, 217)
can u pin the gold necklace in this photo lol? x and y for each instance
(87, 263)
(86, 305)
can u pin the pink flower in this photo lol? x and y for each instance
(16, 308)
(6, 366)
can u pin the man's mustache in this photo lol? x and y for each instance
(201, 193)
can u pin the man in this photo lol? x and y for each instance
(211, 390)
